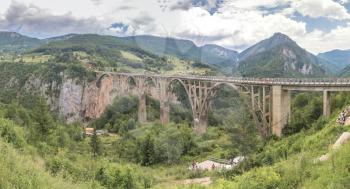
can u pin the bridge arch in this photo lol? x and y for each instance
(182, 83)
(99, 80)
(131, 80)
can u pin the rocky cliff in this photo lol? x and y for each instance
(74, 99)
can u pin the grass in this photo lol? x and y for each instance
(298, 169)
(18, 169)
(130, 56)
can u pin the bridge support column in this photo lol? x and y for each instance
(200, 124)
(326, 104)
(163, 87)
(164, 112)
(281, 109)
(142, 112)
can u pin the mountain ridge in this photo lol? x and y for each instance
(295, 58)
(279, 56)
(337, 59)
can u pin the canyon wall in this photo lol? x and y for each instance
(80, 100)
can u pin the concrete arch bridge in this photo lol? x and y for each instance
(270, 98)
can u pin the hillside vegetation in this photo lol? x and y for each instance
(152, 156)
(279, 56)
(38, 149)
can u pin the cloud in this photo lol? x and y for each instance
(319, 41)
(235, 28)
(32, 20)
(97, 2)
(181, 5)
(324, 8)
(235, 24)
(344, 1)
(143, 19)
(125, 8)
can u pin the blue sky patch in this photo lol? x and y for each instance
(121, 26)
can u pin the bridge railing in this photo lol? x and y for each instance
(252, 80)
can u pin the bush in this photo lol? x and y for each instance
(123, 177)
(8, 133)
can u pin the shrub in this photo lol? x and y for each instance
(8, 133)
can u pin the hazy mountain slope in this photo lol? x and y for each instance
(344, 72)
(336, 59)
(120, 54)
(279, 56)
(15, 42)
(220, 57)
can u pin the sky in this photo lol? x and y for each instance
(316, 25)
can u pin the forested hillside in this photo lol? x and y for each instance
(51, 92)
(57, 155)
(279, 56)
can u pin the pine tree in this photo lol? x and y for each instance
(95, 144)
(148, 151)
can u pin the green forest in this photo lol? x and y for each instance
(39, 150)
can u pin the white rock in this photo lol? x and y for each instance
(324, 157)
(343, 139)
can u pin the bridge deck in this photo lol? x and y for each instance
(291, 82)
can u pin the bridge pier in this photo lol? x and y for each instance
(200, 124)
(164, 112)
(326, 104)
(281, 109)
(142, 112)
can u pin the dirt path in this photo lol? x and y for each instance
(206, 181)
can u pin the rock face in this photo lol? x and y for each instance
(74, 100)
(343, 139)
(77, 100)
(96, 99)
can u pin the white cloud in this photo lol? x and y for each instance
(323, 8)
(35, 21)
(344, 1)
(318, 41)
(253, 4)
(236, 23)
(234, 27)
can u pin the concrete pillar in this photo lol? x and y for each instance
(200, 124)
(281, 109)
(142, 112)
(164, 112)
(326, 104)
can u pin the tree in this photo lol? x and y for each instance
(95, 144)
(147, 151)
(44, 122)
(244, 136)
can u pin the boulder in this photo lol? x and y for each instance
(347, 121)
(343, 139)
(324, 157)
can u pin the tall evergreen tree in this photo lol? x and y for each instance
(148, 151)
(95, 144)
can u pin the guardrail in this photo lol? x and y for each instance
(256, 81)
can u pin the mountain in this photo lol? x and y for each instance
(15, 42)
(224, 59)
(122, 54)
(59, 38)
(337, 59)
(279, 56)
(213, 55)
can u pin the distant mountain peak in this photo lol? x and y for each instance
(279, 56)
(281, 35)
(10, 34)
(278, 39)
